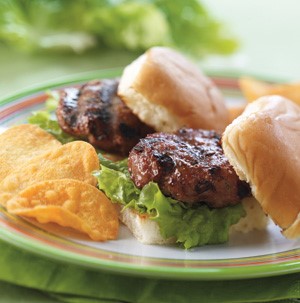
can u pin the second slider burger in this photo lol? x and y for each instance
(177, 185)
(167, 91)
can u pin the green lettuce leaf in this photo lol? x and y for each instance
(32, 25)
(46, 120)
(194, 30)
(190, 225)
(130, 25)
(119, 166)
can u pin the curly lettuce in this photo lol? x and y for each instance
(191, 226)
(46, 120)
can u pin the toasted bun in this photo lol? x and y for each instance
(147, 231)
(166, 91)
(263, 145)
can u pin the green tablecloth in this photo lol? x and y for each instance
(44, 280)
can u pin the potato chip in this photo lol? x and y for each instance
(21, 143)
(74, 160)
(69, 203)
(253, 89)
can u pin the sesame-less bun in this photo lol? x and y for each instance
(147, 231)
(263, 145)
(167, 91)
(144, 230)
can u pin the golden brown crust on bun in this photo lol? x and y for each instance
(263, 145)
(167, 91)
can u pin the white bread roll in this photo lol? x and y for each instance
(147, 231)
(144, 229)
(263, 145)
(167, 91)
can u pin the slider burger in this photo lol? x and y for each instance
(262, 145)
(177, 185)
(113, 114)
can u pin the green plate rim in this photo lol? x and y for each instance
(178, 273)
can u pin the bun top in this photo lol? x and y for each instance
(167, 91)
(263, 145)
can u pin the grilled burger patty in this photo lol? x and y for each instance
(94, 112)
(189, 166)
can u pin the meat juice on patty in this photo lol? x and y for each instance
(94, 112)
(189, 166)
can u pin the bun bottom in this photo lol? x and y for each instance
(255, 218)
(147, 231)
(144, 230)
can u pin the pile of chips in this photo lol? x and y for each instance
(42, 179)
(253, 89)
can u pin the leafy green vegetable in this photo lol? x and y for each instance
(130, 25)
(45, 120)
(194, 30)
(32, 25)
(120, 166)
(135, 25)
(190, 225)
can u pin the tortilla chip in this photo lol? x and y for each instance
(74, 160)
(69, 203)
(21, 143)
(253, 89)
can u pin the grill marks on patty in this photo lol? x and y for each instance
(94, 112)
(189, 166)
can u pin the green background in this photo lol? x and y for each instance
(268, 32)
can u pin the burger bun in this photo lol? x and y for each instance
(263, 146)
(167, 91)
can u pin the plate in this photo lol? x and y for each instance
(257, 254)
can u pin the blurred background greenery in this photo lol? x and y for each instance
(44, 40)
(79, 25)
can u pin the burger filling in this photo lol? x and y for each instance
(183, 182)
